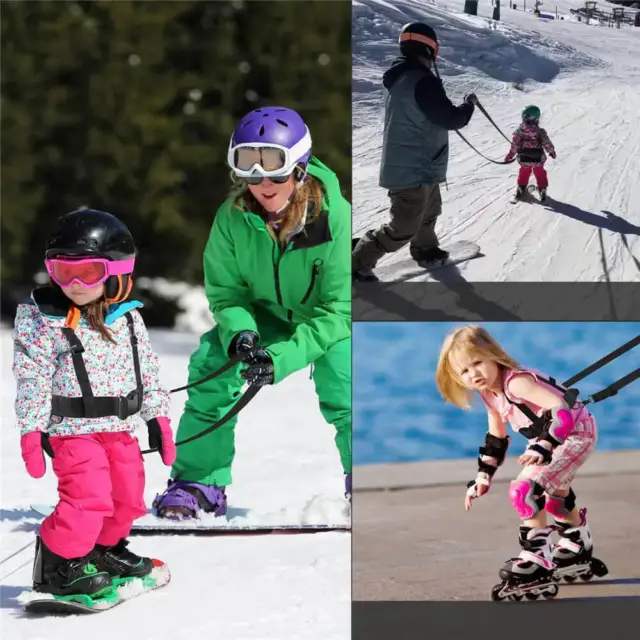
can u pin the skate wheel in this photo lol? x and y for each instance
(551, 592)
(495, 593)
(531, 596)
(516, 597)
(585, 577)
(570, 579)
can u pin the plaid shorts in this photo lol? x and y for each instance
(566, 459)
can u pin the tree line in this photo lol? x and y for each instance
(128, 107)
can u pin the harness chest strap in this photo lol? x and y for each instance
(538, 422)
(90, 406)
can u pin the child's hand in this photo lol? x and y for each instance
(476, 489)
(161, 439)
(535, 454)
(553, 155)
(33, 453)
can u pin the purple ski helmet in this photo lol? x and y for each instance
(275, 127)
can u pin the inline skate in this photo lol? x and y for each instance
(573, 553)
(531, 573)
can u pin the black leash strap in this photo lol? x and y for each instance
(223, 369)
(482, 154)
(604, 361)
(613, 389)
(490, 119)
(242, 402)
(571, 395)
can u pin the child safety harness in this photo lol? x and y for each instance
(570, 395)
(90, 406)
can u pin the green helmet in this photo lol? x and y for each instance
(531, 113)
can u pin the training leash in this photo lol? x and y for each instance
(240, 404)
(571, 394)
(490, 119)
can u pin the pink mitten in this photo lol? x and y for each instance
(161, 439)
(33, 454)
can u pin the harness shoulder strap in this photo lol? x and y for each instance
(134, 349)
(81, 371)
(528, 412)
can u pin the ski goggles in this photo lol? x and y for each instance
(88, 272)
(254, 162)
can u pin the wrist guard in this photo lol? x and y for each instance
(496, 448)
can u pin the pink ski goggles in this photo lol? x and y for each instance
(88, 272)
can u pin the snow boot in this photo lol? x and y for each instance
(183, 500)
(364, 275)
(425, 256)
(520, 192)
(119, 562)
(68, 577)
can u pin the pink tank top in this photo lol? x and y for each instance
(511, 413)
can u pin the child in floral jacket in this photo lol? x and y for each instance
(85, 373)
(529, 143)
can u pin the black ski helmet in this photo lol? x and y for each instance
(92, 233)
(418, 39)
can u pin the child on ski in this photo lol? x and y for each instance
(85, 373)
(560, 441)
(529, 143)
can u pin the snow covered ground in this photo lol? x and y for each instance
(585, 79)
(268, 587)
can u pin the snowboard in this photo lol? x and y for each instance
(209, 525)
(125, 590)
(460, 251)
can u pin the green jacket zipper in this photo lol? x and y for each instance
(315, 270)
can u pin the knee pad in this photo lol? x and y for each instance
(559, 506)
(527, 498)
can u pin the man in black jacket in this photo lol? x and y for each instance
(415, 153)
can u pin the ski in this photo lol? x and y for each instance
(125, 589)
(212, 526)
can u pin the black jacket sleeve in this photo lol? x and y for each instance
(434, 103)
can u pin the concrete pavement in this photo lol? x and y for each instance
(412, 539)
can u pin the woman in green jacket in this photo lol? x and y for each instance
(278, 279)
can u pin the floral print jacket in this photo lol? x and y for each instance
(43, 367)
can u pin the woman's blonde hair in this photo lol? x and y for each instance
(472, 340)
(307, 197)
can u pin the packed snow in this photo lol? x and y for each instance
(287, 471)
(586, 80)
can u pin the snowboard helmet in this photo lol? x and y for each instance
(269, 142)
(88, 233)
(418, 39)
(531, 114)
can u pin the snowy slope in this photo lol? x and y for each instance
(586, 80)
(273, 587)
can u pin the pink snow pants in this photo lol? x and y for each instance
(100, 489)
(538, 171)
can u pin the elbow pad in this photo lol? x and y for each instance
(494, 447)
(558, 426)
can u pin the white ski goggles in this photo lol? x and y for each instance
(266, 160)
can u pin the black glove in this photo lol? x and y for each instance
(243, 342)
(471, 98)
(260, 370)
